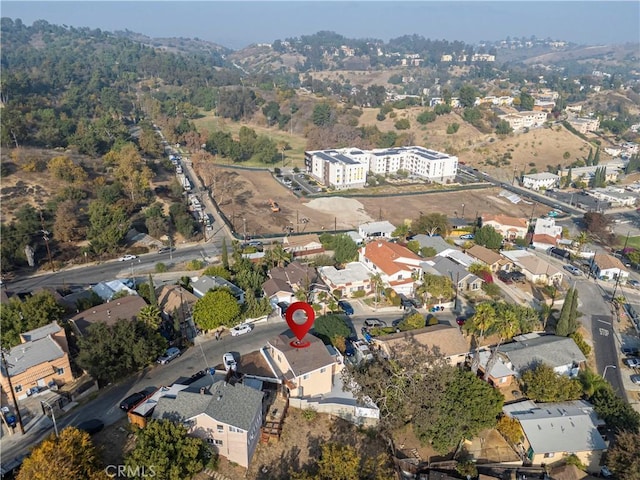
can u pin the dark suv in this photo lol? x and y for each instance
(132, 400)
(518, 277)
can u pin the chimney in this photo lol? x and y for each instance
(202, 389)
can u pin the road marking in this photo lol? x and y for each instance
(602, 321)
(604, 332)
(110, 411)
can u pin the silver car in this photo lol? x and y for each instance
(171, 354)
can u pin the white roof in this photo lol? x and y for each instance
(499, 369)
(377, 227)
(542, 176)
(352, 273)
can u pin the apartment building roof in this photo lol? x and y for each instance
(27, 355)
(38, 333)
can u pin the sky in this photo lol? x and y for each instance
(238, 24)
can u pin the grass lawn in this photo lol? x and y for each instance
(292, 158)
(634, 242)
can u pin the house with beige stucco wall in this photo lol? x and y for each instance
(226, 415)
(41, 360)
(305, 372)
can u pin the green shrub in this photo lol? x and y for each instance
(309, 414)
(359, 294)
(452, 128)
(161, 267)
(194, 265)
(584, 347)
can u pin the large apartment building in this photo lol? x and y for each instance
(521, 120)
(348, 168)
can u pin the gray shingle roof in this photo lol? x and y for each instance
(235, 405)
(38, 333)
(437, 243)
(547, 349)
(27, 355)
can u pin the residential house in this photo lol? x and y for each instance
(501, 375)
(106, 290)
(462, 279)
(375, 230)
(539, 181)
(306, 372)
(301, 245)
(521, 120)
(585, 174)
(201, 285)
(615, 196)
(509, 227)
(41, 360)
(436, 242)
(460, 224)
(534, 268)
(354, 277)
(176, 302)
(445, 339)
(584, 125)
(126, 308)
(530, 350)
(490, 258)
(297, 276)
(395, 264)
(553, 431)
(226, 415)
(608, 267)
(457, 256)
(356, 237)
(546, 234)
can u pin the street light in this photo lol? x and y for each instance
(605, 369)
(53, 415)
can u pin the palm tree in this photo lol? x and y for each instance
(150, 316)
(482, 321)
(582, 239)
(376, 285)
(402, 232)
(506, 326)
(591, 382)
(278, 256)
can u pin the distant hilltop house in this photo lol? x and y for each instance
(349, 167)
(521, 120)
(584, 125)
(612, 170)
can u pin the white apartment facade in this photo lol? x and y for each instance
(521, 120)
(537, 181)
(348, 168)
(584, 125)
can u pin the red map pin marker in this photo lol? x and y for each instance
(298, 324)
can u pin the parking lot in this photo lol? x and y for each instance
(579, 199)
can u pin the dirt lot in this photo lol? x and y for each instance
(254, 189)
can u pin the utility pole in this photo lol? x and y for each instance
(13, 393)
(45, 237)
(244, 229)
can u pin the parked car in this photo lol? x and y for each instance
(397, 322)
(573, 270)
(229, 362)
(467, 236)
(171, 354)
(633, 362)
(518, 277)
(349, 351)
(631, 351)
(241, 329)
(505, 277)
(126, 258)
(92, 426)
(633, 283)
(132, 400)
(635, 379)
(9, 417)
(374, 322)
(460, 320)
(346, 307)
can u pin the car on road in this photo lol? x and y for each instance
(346, 307)
(92, 426)
(171, 354)
(166, 249)
(633, 283)
(132, 400)
(467, 236)
(374, 322)
(635, 379)
(460, 321)
(241, 329)
(255, 243)
(229, 362)
(633, 362)
(126, 258)
(573, 270)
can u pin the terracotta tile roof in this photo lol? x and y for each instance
(484, 254)
(544, 238)
(386, 256)
(605, 261)
(506, 220)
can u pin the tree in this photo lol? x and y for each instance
(526, 101)
(467, 95)
(217, 271)
(487, 236)
(150, 316)
(224, 254)
(503, 128)
(322, 115)
(432, 224)
(426, 117)
(165, 446)
(428, 252)
(130, 169)
(413, 321)
(414, 246)
(615, 411)
(110, 352)
(596, 157)
(568, 180)
(344, 248)
(327, 327)
(401, 232)
(216, 309)
(590, 381)
(597, 224)
(623, 457)
(510, 429)
(435, 286)
(542, 384)
(402, 124)
(567, 322)
(108, 225)
(71, 455)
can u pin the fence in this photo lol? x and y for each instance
(362, 416)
